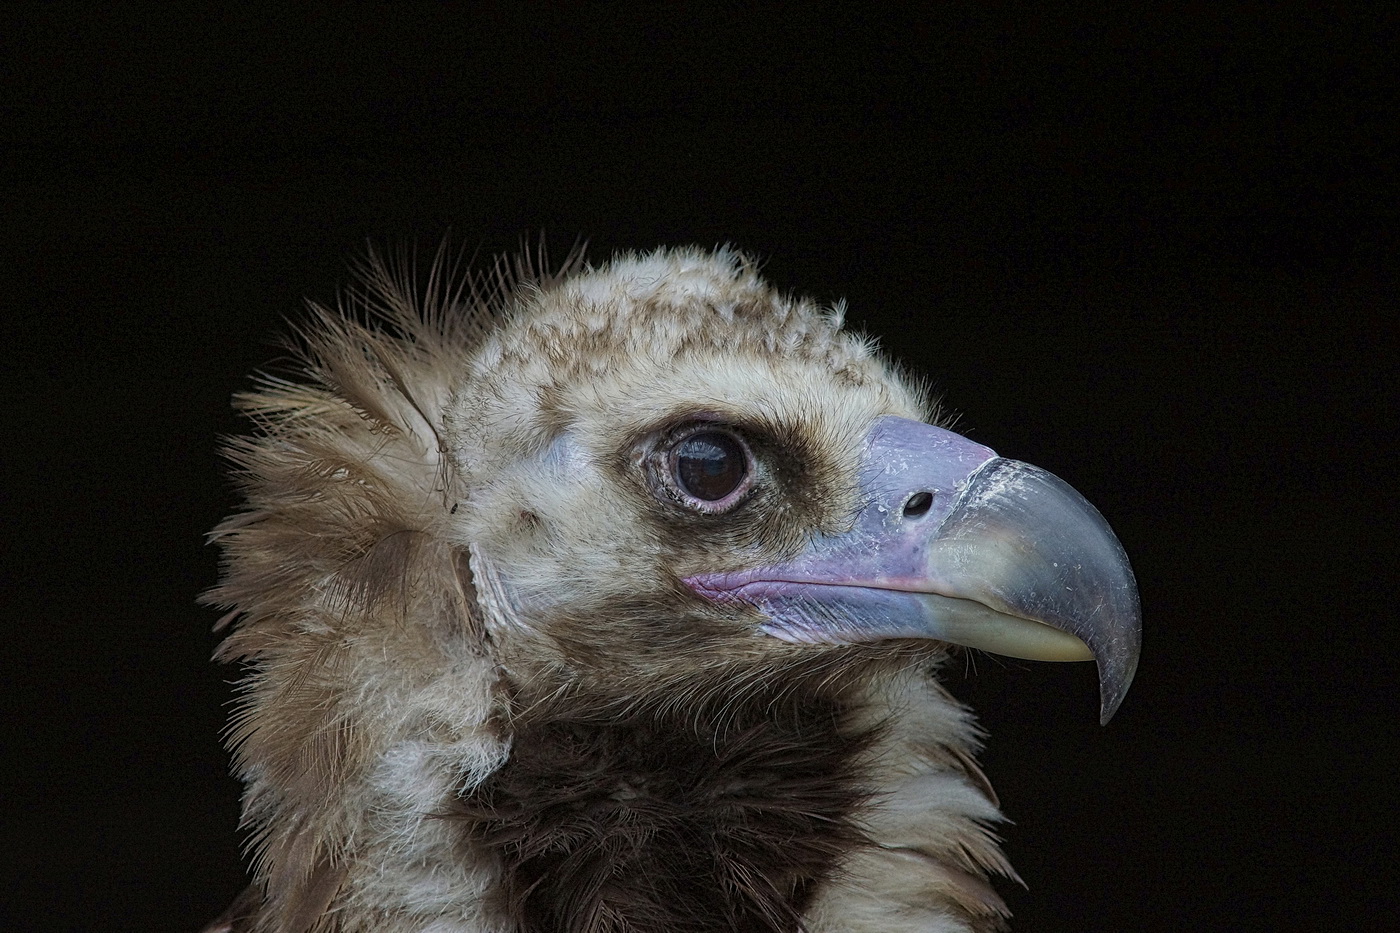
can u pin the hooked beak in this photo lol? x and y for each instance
(957, 544)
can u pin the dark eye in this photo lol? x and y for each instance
(710, 467)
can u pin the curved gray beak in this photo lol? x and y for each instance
(958, 544)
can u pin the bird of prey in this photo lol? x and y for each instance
(614, 598)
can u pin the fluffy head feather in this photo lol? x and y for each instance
(457, 590)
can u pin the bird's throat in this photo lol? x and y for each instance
(726, 817)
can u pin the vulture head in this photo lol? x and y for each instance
(615, 600)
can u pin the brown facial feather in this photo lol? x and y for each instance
(800, 488)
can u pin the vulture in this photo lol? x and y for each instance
(614, 598)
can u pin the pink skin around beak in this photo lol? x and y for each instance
(957, 544)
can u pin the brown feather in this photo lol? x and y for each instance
(720, 816)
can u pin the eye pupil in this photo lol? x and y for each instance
(710, 465)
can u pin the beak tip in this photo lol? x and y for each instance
(1109, 707)
(1116, 673)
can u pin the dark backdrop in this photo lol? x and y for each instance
(1152, 252)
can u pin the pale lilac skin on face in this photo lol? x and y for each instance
(958, 544)
(887, 546)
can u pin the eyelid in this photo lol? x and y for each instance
(668, 465)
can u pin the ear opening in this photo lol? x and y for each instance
(498, 599)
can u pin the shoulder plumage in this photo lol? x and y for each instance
(348, 605)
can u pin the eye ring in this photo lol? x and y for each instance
(709, 469)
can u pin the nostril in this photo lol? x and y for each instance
(918, 504)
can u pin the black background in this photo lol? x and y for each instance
(1153, 252)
